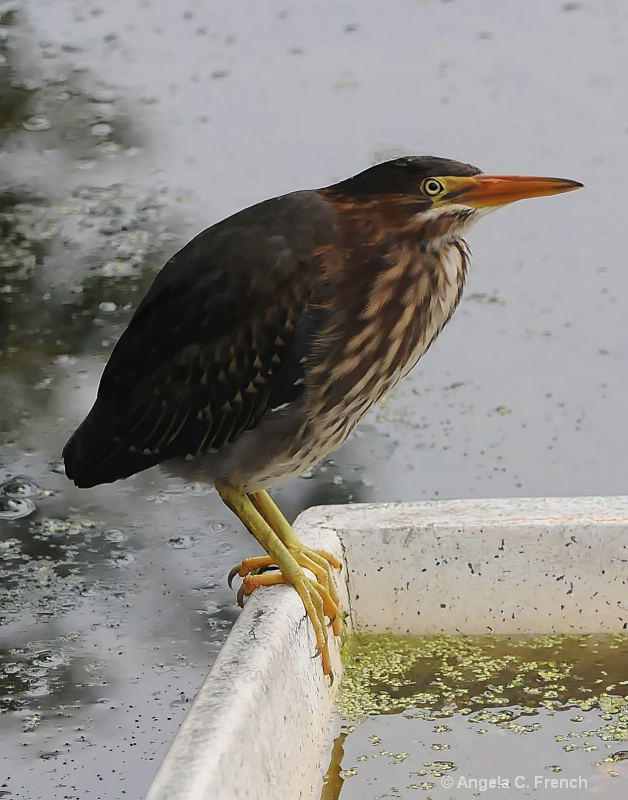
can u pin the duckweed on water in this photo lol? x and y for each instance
(476, 675)
(433, 695)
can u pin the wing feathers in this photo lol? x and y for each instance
(212, 346)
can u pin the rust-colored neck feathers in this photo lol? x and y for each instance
(392, 283)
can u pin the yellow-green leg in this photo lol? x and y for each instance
(319, 562)
(311, 593)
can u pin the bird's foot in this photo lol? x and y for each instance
(318, 596)
(316, 600)
(319, 562)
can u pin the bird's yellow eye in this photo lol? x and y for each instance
(431, 187)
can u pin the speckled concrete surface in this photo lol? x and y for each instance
(510, 566)
(258, 727)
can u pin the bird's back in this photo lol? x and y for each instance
(210, 349)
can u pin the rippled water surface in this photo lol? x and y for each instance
(126, 127)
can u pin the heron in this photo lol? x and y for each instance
(265, 340)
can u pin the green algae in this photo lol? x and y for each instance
(494, 680)
(453, 704)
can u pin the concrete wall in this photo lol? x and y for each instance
(259, 725)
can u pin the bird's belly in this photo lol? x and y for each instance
(311, 443)
(326, 432)
(283, 445)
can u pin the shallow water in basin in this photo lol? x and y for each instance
(460, 717)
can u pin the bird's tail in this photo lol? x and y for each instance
(94, 455)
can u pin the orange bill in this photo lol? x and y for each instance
(484, 191)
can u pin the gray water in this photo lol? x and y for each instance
(125, 128)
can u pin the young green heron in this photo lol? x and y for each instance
(264, 341)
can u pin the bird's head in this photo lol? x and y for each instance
(444, 198)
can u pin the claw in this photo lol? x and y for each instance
(250, 566)
(235, 571)
(291, 562)
(240, 596)
(330, 673)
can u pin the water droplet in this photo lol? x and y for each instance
(209, 609)
(37, 123)
(48, 659)
(109, 148)
(103, 96)
(28, 84)
(63, 360)
(20, 486)
(70, 47)
(57, 466)
(114, 535)
(108, 307)
(101, 129)
(85, 163)
(11, 508)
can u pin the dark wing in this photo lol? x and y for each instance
(216, 342)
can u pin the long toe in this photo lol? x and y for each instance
(248, 566)
(316, 601)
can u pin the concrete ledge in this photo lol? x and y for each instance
(259, 725)
(548, 565)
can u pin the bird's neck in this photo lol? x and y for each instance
(379, 215)
(389, 296)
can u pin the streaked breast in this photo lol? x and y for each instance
(408, 305)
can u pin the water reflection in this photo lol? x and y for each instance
(46, 91)
(81, 586)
